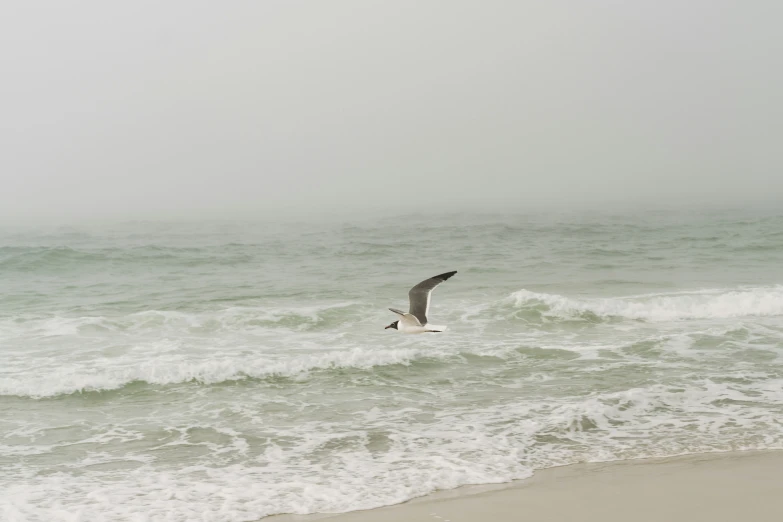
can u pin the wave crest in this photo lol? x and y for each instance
(76, 379)
(708, 304)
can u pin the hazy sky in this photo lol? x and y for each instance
(208, 108)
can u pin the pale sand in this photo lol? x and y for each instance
(717, 487)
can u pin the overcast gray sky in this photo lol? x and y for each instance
(143, 108)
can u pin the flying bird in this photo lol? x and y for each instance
(415, 321)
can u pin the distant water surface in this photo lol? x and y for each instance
(228, 371)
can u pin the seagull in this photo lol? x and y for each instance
(415, 321)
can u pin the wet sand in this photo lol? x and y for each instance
(715, 487)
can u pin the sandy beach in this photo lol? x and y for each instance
(739, 486)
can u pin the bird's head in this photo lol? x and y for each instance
(393, 325)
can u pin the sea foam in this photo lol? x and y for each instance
(709, 304)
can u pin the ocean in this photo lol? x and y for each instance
(232, 370)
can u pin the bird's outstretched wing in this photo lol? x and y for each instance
(408, 319)
(420, 295)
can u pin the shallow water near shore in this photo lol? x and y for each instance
(235, 370)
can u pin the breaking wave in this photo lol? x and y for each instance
(706, 304)
(165, 371)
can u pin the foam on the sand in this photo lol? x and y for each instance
(726, 487)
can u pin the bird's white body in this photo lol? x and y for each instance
(410, 325)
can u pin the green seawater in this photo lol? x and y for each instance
(228, 371)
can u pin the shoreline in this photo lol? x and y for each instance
(727, 486)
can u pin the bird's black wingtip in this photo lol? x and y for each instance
(445, 276)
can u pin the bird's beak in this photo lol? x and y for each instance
(387, 327)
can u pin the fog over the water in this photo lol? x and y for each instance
(147, 109)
